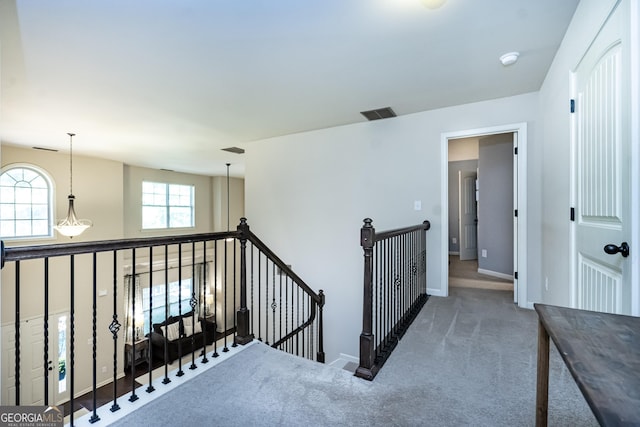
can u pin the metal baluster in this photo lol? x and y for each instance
(298, 320)
(150, 387)
(133, 396)
(215, 298)
(280, 306)
(72, 317)
(94, 417)
(224, 302)
(235, 287)
(259, 302)
(180, 371)
(114, 327)
(166, 379)
(193, 302)
(204, 303)
(266, 300)
(47, 363)
(17, 334)
(273, 303)
(252, 305)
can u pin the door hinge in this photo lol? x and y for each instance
(573, 214)
(515, 275)
(515, 213)
(515, 151)
(573, 105)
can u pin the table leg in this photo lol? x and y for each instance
(542, 392)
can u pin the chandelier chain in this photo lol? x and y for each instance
(71, 135)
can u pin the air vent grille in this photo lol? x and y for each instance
(235, 150)
(45, 149)
(380, 113)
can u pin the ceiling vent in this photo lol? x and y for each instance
(45, 149)
(380, 113)
(235, 150)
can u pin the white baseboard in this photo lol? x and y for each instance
(343, 359)
(495, 274)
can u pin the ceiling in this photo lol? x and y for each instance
(169, 83)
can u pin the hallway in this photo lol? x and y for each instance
(465, 274)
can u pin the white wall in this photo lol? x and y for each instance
(555, 139)
(307, 194)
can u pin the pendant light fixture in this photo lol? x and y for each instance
(71, 226)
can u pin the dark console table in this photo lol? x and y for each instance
(602, 352)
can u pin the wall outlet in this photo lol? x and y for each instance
(454, 240)
(484, 253)
(546, 283)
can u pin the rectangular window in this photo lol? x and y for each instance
(179, 301)
(167, 205)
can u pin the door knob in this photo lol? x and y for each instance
(612, 249)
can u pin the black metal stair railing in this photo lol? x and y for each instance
(395, 289)
(266, 298)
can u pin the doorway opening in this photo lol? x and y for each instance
(481, 251)
(507, 268)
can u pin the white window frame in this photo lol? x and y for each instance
(167, 206)
(50, 201)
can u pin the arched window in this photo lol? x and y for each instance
(25, 203)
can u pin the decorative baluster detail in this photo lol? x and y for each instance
(273, 302)
(193, 302)
(72, 339)
(280, 305)
(47, 362)
(114, 328)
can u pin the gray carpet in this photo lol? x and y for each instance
(469, 359)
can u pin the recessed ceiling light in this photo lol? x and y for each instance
(509, 58)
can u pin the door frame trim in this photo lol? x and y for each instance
(520, 287)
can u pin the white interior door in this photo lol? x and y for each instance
(602, 172)
(31, 363)
(32, 373)
(468, 231)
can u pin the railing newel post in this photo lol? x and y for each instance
(320, 355)
(367, 339)
(243, 335)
